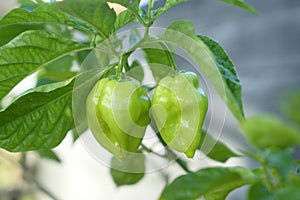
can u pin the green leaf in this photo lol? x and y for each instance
(37, 120)
(59, 70)
(220, 152)
(53, 77)
(241, 4)
(19, 20)
(184, 26)
(260, 192)
(123, 19)
(7, 33)
(232, 83)
(128, 171)
(214, 183)
(268, 131)
(156, 55)
(82, 55)
(159, 57)
(63, 64)
(97, 13)
(42, 14)
(49, 154)
(30, 51)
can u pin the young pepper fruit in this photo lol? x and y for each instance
(178, 108)
(118, 114)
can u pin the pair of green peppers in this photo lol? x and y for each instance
(118, 113)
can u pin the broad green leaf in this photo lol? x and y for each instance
(63, 64)
(123, 19)
(260, 192)
(49, 154)
(214, 183)
(97, 13)
(268, 131)
(81, 56)
(53, 77)
(160, 62)
(128, 171)
(241, 4)
(19, 20)
(157, 52)
(7, 33)
(37, 120)
(291, 106)
(232, 83)
(47, 87)
(217, 195)
(42, 14)
(30, 51)
(183, 26)
(212, 61)
(220, 152)
(157, 55)
(59, 70)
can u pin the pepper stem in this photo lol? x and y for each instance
(120, 67)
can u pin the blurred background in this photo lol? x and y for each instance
(266, 52)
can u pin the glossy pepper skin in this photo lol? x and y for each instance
(178, 108)
(118, 114)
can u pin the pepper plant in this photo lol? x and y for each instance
(72, 95)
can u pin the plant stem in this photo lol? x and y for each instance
(151, 151)
(43, 189)
(28, 176)
(267, 177)
(93, 42)
(170, 58)
(145, 39)
(179, 161)
(120, 67)
(150, 6)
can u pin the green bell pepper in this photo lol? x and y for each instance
(118, 114)
(178, 108)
